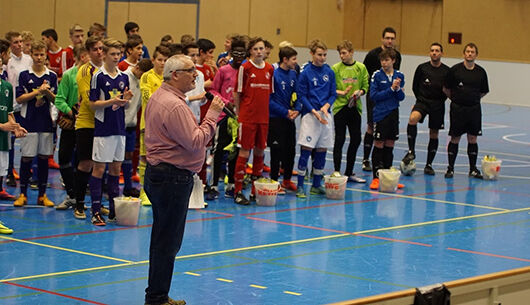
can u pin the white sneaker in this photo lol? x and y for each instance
(354, 178)
(66, 204)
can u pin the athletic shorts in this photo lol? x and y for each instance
(4, 163)
(252, 136)
(465, 119)
(436, 114)
(388, 127)
(108, 149)
(130, 139)
(84, 139)
(34, 143)
(314, 134)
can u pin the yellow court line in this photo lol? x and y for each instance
(257, 286)
(440, 221)
(191, 273)
(428, 199)
(224, 280)
(65, 249)
(64, 272)
(290, 292)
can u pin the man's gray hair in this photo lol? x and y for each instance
(175, 62)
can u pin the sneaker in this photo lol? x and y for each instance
(428, 170)
(354, 178)
(211, 193)
(98, 220)
(170, 301)
(266, 168)
(135, 178)
(11, 181)
(16, 175)
(410, 156)
(241, 199)
(79, 214)
(281, 191)
(33, 184)
(449, 173)
(4, 229)
(21, 201)
(6, 196)
(252, 198)
(317, 190)
(400, 186)
(132, 192)
(144, 198)
(52, 164)
(104, 211)
(475, 173)
(112, 220)
(229, 193)
(375, 184)
(289, 185)
(66, 204)
(43, 200)
(366, 166)
(300, 193)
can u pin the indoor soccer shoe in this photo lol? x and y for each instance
(375, 184)
(4, 229)
(449, 173)
(408, 158)
(43, 200)
(300, 193)
(21, 201)
(79, 214)
(366, 166)
(428, 170)
(354, 178)
(144, 198)
(6, 196)
(241, 199)
(475, 173)
(98, 220)
(320, 190)
(66, 204)
(289, 185)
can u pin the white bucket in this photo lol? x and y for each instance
(266, 193)
(491, 169)
(127, 210)
(388, 180)
(335, 186)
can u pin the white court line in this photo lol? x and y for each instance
(508, 136)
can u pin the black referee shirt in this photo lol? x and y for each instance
(467, 86)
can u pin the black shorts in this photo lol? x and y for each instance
(369, 111)
(436, 114)
(388, 127)
(84, 139)
(282, 132)
(465, 119)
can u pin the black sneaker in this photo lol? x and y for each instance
(428, 170)
(449, 173)
(475, 173)
(211, 194)
(252, 198)
(11, 181)
(132, 192)
(408, 157)
(241, 199)
(366, 166)
(98, 220)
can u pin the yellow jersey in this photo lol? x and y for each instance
(149, 82)
(85, 118)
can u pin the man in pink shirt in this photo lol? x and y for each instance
(175, 146)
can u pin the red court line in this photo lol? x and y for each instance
(54, 293)
(490, 254)
(342, 232)
(352, 202)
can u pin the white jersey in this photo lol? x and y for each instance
(15, 65)
(132, 108)
(199, 88)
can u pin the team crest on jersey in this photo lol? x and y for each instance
(308, 139)
(58, 60)
(325, 78)
(121, 85)
(6, 93)
(267, 76)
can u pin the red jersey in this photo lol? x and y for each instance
(255, 84)
(207, 71)
(61, 60)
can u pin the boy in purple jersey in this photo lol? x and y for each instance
(109, 93)
(35, 93)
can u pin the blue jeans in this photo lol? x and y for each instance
(169, 189)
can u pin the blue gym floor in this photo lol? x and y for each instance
(312, 251)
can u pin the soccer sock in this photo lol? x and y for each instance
(412, 132)
(1, 184)
(431, 150)
(25, 167)
(35, 169)
(113, 191)
(67, 173)
(241, 165)
(388, 156)
(95, 194)
(257, 165)
(81, 180)
(368, 142)
(472, 153)
(452, 151)
(377, 160)
(302, 166)
(126, 168)
(355, 140)
(43, 175)
(320, 162)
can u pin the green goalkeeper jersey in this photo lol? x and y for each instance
(354, 75)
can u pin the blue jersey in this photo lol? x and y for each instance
(103, 87)
(385, 99)
(36, 119)
(316, 87)
(280, 99)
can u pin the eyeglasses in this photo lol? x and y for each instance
(238, 54)
(190, 70)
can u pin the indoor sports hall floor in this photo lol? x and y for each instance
(312, 251)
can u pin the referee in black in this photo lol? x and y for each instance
(427, 86)
(372, 63)
(465, 85)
